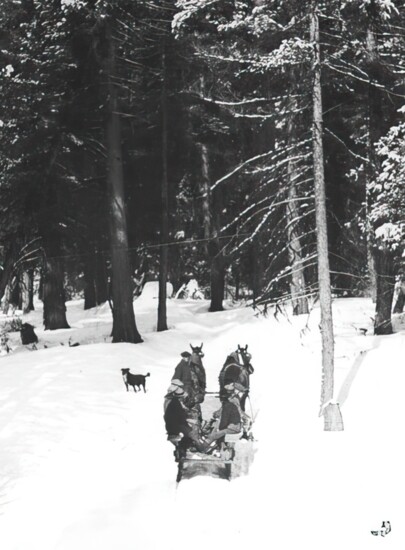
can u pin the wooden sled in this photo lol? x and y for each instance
(222, 457)
(217, 463)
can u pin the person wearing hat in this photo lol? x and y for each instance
(228, 419)
(235, 372)
(191, 372)
(178, 417)
(176, 388)
(174, 410)
(237, 397)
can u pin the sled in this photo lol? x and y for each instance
(196, 462)
(220, 461)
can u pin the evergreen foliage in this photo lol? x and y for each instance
(237, 82)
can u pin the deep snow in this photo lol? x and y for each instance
(84, 464)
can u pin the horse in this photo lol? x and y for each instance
(237, 368)
(198, 372)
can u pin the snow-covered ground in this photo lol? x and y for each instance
(84, 464)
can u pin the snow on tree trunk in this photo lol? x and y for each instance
(332, 420)
(206, 192)
(17, 293)
(6, 299)
(164, 252)
(400, 301)
(371, 268)
(124, 326)
(25, 284)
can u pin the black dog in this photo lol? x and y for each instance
(138, 380)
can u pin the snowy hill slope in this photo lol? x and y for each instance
(84, 464)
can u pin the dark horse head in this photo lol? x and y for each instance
(196, 354)
(246, 357)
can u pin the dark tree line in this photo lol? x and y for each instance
(152, 140)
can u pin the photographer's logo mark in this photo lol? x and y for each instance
(385, 529)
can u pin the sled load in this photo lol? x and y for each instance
(211, 431)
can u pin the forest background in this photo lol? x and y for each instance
(144, 140)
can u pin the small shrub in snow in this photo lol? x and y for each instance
(12, 325)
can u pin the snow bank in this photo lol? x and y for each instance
(85, 464)
(151, 291)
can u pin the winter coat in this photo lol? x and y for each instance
(232, 373)
(176, 418)
(193, 378)
(229, 415)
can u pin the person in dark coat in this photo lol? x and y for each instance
(233, 372)
(191, 372)
(179, 418)
(228, 419)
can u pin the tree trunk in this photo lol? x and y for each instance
(217, 265)
(124, 326)
(217, 283)
(206, 194)
(31, 290)
(41, 286)
(211, 208)
(385, 290)
(371, 266)
(325, 296)
(15, 299)
(101, 279)
(6, 299)
(54, 314)
(382, 258)
(297, 281)
(236, 275)
(25, 284)
(257, 273)
(10, 258)
(163, 263)
(90, 300)
(374, 134)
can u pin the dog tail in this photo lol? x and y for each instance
(147, 374)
